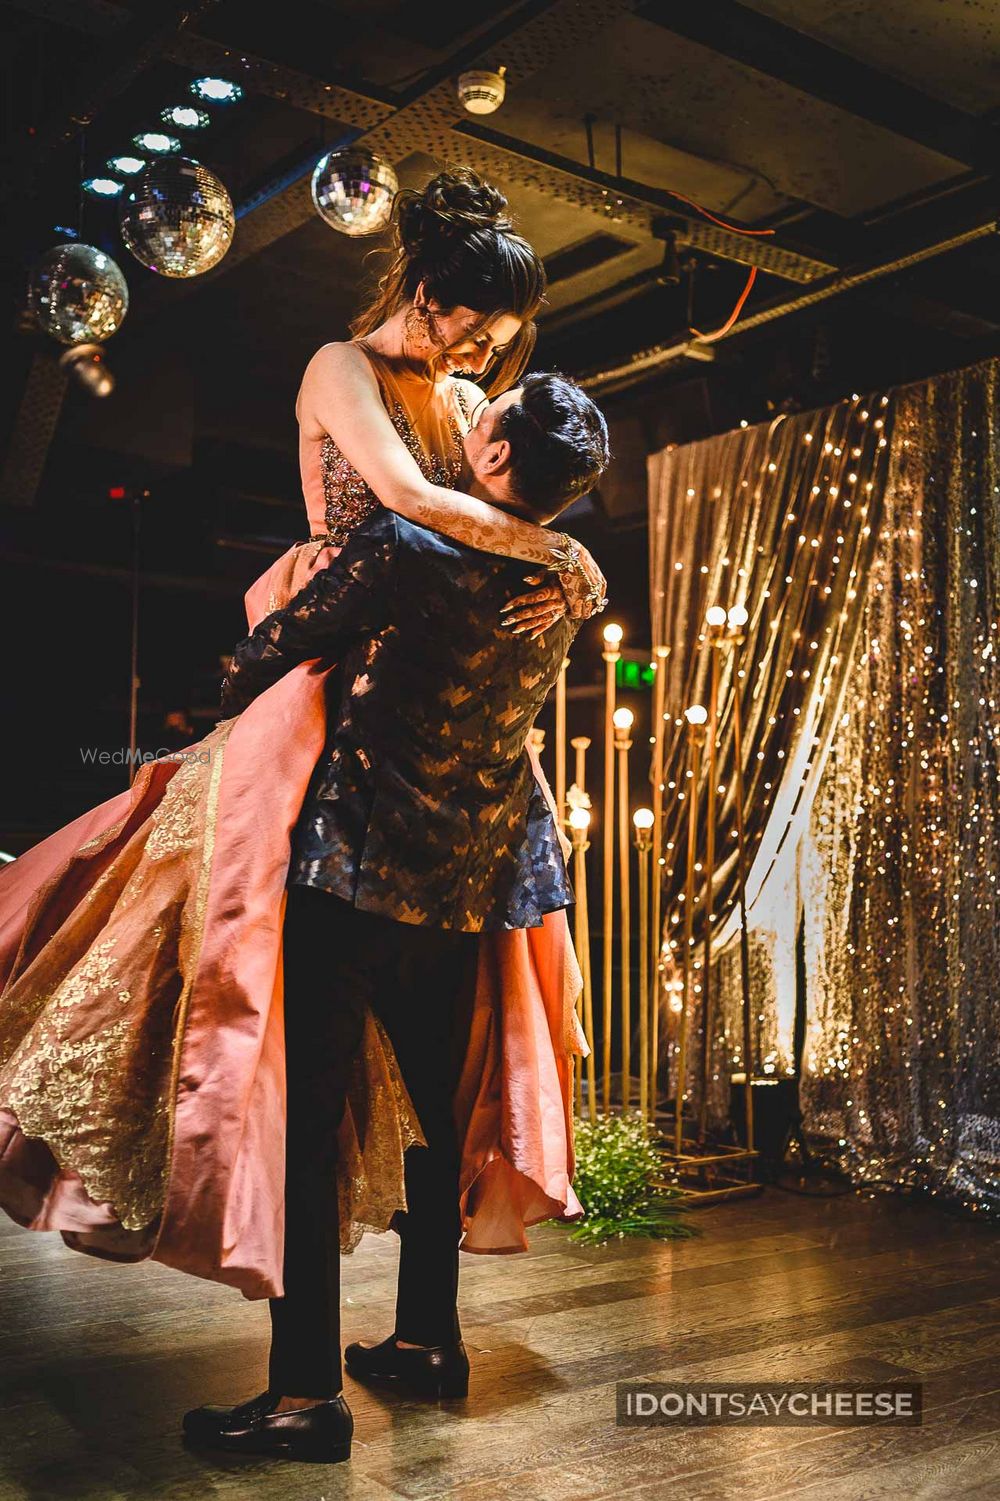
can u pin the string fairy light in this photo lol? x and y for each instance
(872, 744)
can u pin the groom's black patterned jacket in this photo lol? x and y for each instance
(423, 806)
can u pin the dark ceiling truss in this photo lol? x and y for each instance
(136, 43)
(915, 239)
(634, 200)
(532, 36)
(427, 117)
(141, 40)
(525, 41)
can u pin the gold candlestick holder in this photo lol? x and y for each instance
(623, 721)
(696, 716)
(660, 655)
(612, 654)
(581, 745)
(642, 820)
(579, 826)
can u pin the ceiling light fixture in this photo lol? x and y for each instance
(156, 143)
(216, 90)
(102, 187)
(184, 117)
(126, 166)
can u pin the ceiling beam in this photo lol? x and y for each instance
(428, 117)
(824, 72)
(915, 236)
(771, 252)
(101, 18)
(525, 41)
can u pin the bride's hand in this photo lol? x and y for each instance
(536, 611)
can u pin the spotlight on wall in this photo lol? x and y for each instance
(482, 92)
(86, 364)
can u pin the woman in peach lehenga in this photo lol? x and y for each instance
(142, 1085)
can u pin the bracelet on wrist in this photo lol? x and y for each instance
(565, 557)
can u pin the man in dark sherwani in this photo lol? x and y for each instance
(423, 826)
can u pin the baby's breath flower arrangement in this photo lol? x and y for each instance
(618, 1181)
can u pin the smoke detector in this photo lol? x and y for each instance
(482, 92)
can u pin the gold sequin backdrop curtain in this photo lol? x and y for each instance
(863, 542)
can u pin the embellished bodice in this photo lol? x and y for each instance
(348, 499)
(432, 420)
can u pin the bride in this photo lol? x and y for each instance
(142, 1088)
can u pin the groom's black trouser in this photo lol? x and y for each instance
(419, 981)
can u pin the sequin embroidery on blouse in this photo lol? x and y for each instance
(349, 499)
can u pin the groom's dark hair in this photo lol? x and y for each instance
(558, 443)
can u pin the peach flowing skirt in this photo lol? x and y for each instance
(142, 1080)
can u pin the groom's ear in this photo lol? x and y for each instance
(496, 459)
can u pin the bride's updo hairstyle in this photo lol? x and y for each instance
(456, 237)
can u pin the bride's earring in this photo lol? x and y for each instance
(417, 325)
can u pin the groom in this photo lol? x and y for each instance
(423, 827)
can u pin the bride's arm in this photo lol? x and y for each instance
(340, 396)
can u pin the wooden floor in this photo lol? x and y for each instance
(98, 1362)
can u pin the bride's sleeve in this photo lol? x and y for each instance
(340, 390)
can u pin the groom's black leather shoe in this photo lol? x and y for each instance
(440, 1371)
(319, 1435)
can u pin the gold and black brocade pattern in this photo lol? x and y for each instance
(349, 499)
(423, 806)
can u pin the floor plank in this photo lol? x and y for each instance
(98, 1362)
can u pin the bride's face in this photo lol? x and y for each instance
(463, 342)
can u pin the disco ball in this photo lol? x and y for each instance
(353, 191)
(78, 294)
(177, 218)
